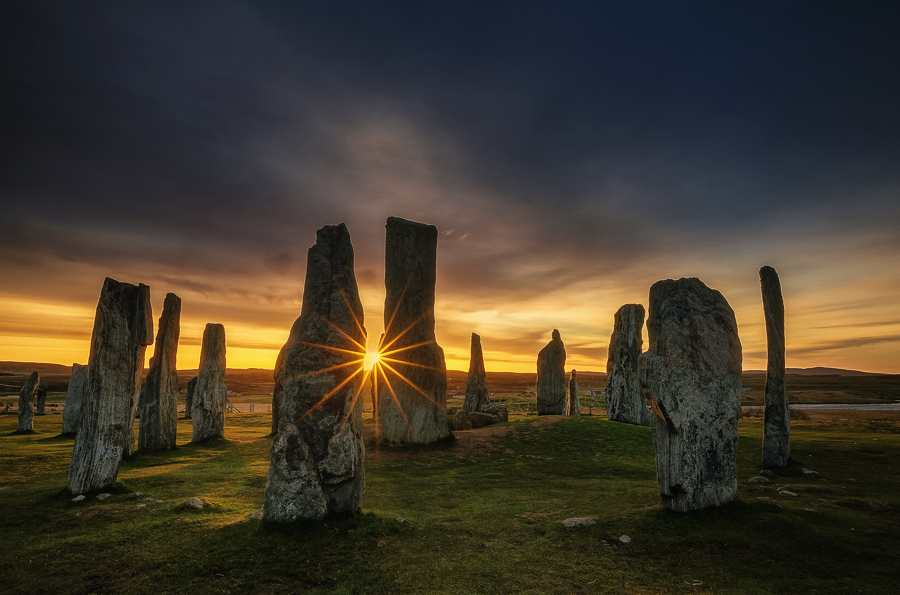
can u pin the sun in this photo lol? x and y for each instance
(371, 359)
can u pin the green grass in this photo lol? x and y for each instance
(480, 516)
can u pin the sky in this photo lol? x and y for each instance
(570, 154)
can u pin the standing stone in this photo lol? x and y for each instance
(777, 424)
(691, 374)
(210, 395)
(189, 397)
(159, 401)
(74, 399)
(574, 404)
(412, 397)
(552, 395)
(624, 400)
(123, 327)
(26, 396)
(40, 408)
(278, 391)
(317, 459)
(476, 381)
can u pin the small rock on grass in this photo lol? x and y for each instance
(809, 472)
(625, 539)
(787, 493)
(758, 479)
(257, 514)
(400, 520)
(579, 522)
(78, 498)
(138, 494)
(103, 496)
(197, 502)
(767, 473)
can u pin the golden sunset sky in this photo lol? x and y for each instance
(569, 156)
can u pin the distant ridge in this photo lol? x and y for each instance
(822, 371)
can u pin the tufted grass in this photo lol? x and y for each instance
(480, 515)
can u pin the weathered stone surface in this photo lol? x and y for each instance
(777, 423)
(691, 374)
(461, 421)
(159, 401)
(123, 327)
(574, 403)
(74, 399)
(579, 522)
(210, 394)
(317, 458)
(40, 407)
(189, 397)
(476, 381)
(624, 400)
(26, 396)
(278, 391)
(552, 394)
(412, 396)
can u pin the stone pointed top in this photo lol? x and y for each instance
(555, 335)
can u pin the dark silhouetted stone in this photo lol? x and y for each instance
(624, 400)
(159, 401)
(123, 327)
(41, 406)
(318, 456)
(574, 403)
(412, 397)
(26, 397)
(691, 374)
(552, 393)
(777, 424)
(189, 396)
(476, 383)
(210, 394)
(74, 399)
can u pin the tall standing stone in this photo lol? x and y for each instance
(476, 381)
(159, 401)
(624, 400)
(691, 374)
(26, 396)
(189, 396)
(412, 394)
(278, 390)
(317, 458)
(74, 399)
(210, 395)
(123, 327)
(574, 403)
(777, 424)
(41, 404)
(552, 393)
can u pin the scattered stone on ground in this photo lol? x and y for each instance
(579, 522)
(552, 391)
(197, 502)
(767, 473)
(317, 459)
(625, 539)
(138, 494)
(159, 401)
(78, 498)
(691, 374)
(758, 479)
(400, 520)
(416, 410)
(777, 423)
(103, 496)
(809, 472)
(123, 327)
(141, 505)
(208, 405)
(624, 400)
(788, 493)
(256, 514)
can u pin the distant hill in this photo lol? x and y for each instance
(29, 367)
(821, 371)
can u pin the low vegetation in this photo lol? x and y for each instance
(482, 514)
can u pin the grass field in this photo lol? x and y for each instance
(480, 515)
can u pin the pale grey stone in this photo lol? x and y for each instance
(552, 393)
(476, 380)
(26, 397)
(579, 522)
(412, 396)
(123, 327)
(103, 496)
(195, 502)
(625, 539)
(691, 375)
(257, 514)
(574, 403)
(777, 422)
(317, 459)
(159, 401)
(78, 498)
(74, 399)
(758, 479)
(624, 400)
(208, 407)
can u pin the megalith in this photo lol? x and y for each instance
(691, 375)
(210, 394)
(574, 403)
(317, 459)
(477, 409)
(74, 399)
(777, 423)
(189, 397)
(123, 327)
(552, 394)
(159, 401)
(412, 392)
(41, 405)
(26, 397)
(624, 400)
(278, 390)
